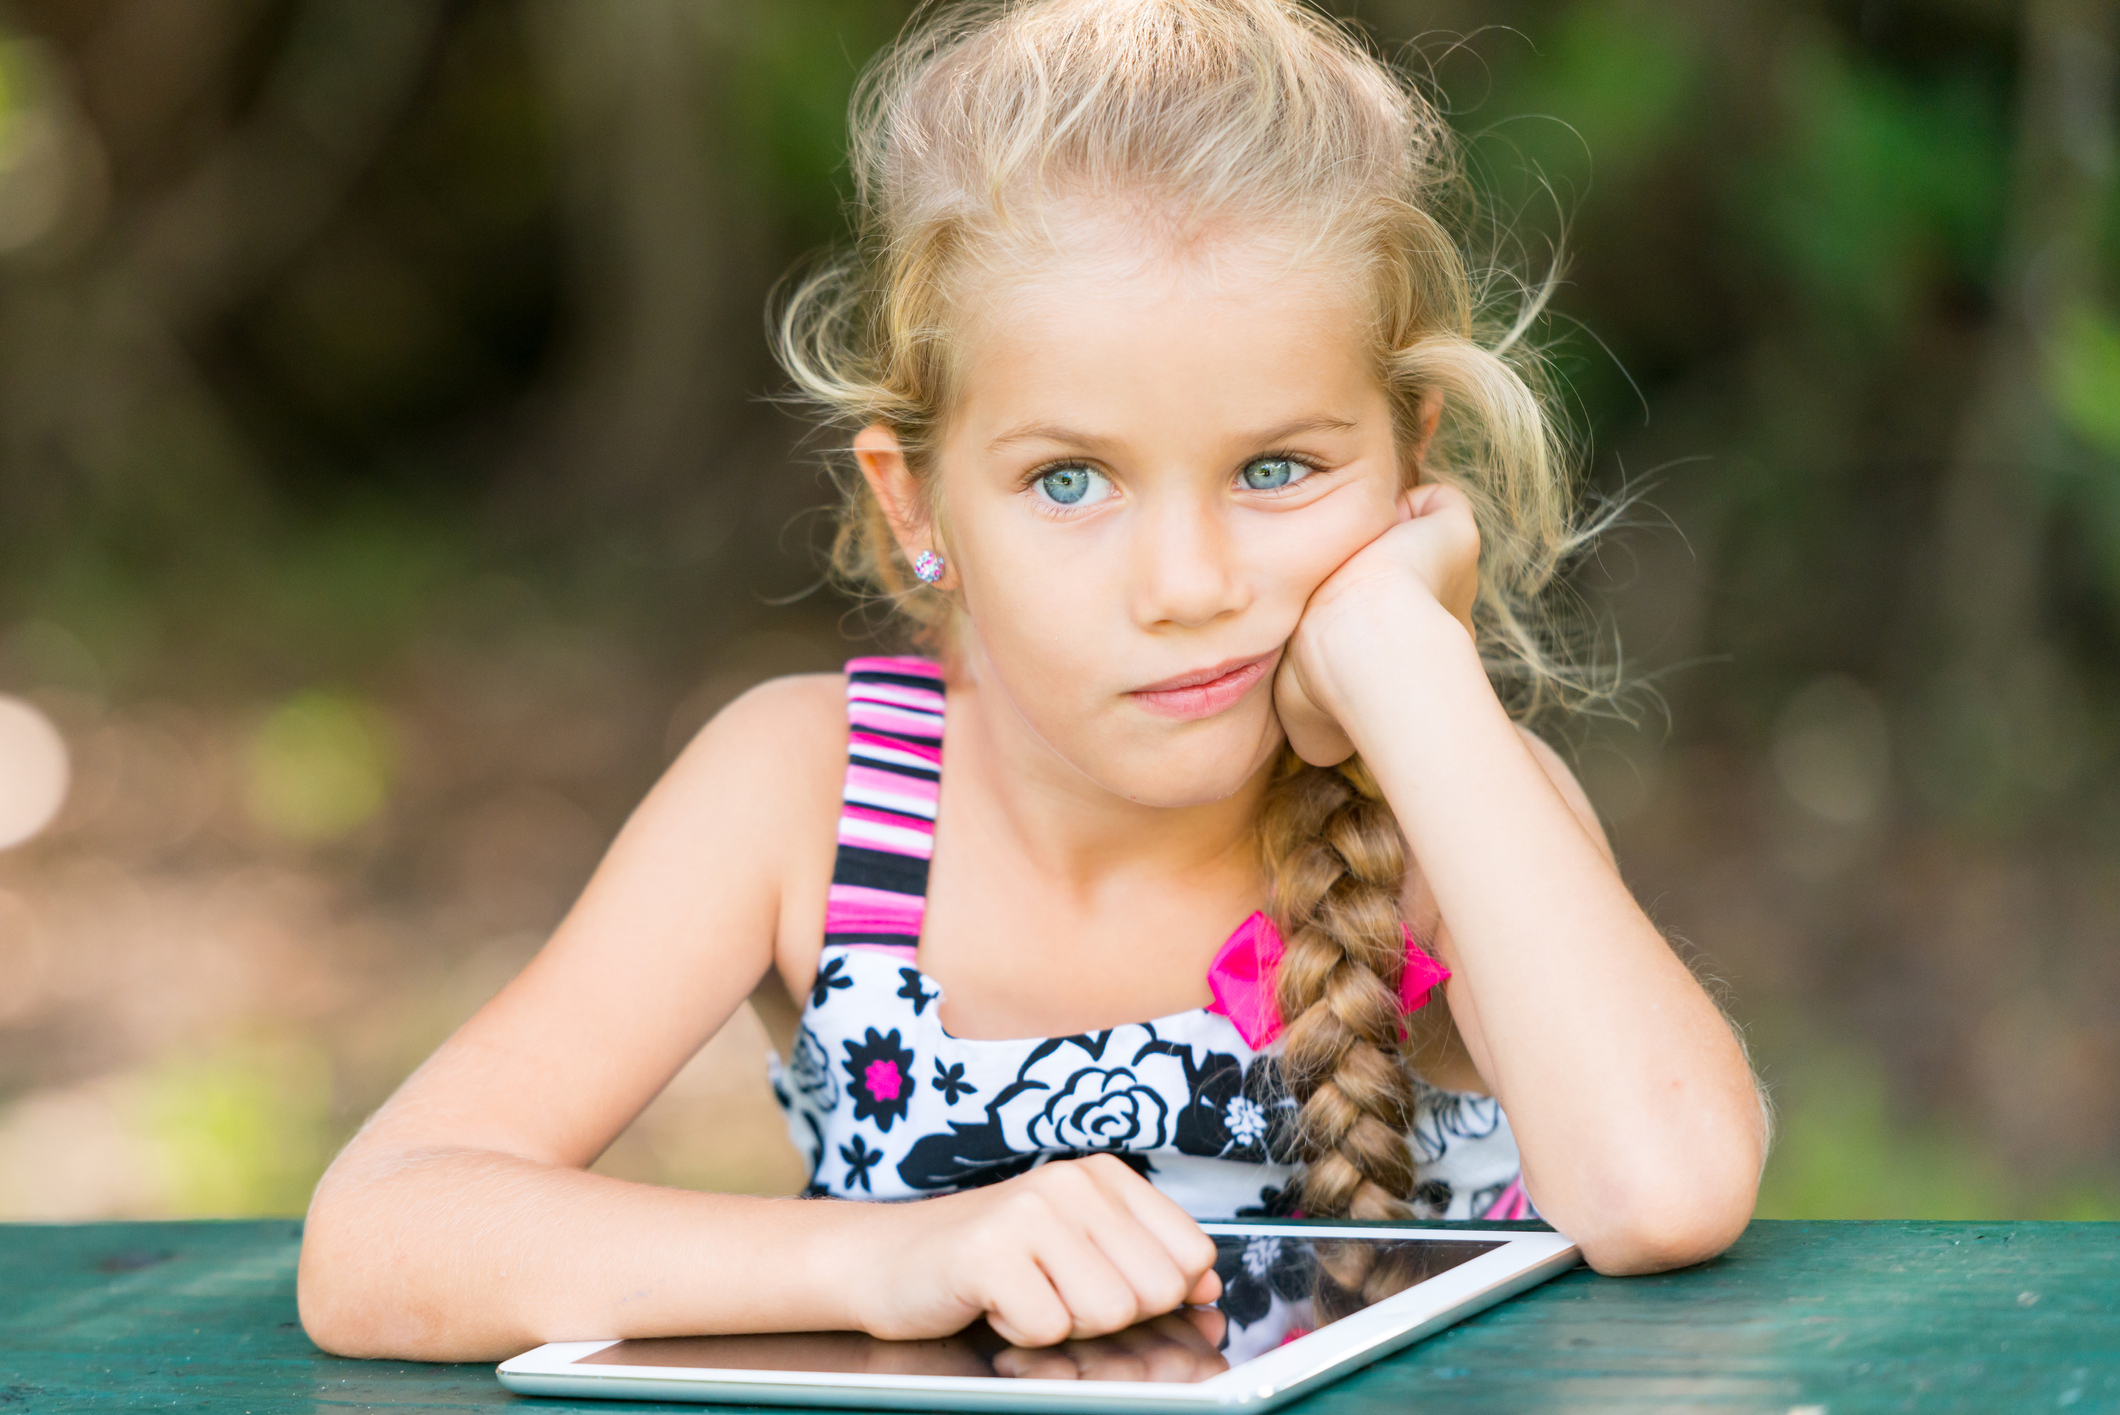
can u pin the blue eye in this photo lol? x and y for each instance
(1272, 473)
(1074, 486)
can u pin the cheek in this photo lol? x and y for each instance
(1294, 554)
(1040, 598)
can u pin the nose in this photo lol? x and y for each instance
(1185, 567)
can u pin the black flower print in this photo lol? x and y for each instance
(882, 1078)
(1054, 1109)
(950, 1081)
(965, 1157)
(831, 976)
(810, 1069)
(1443, 1116)
(1431, 1198)
(859, 1157)
(913, 988)
(1090, 1108)
(1254, 1271)
(813, 1147)
(1235, 1112)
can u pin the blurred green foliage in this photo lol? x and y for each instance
(320, 767)
(1884, 189)
(1842, 1153)
(243, 1129)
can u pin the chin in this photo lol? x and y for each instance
(1197, 764)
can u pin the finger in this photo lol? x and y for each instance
(1138, 1254)
(1096, 1293)
(1313, 734)
(1176, 1231)
(1023, 1306)
(1431, 498)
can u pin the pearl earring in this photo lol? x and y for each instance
(929, 567)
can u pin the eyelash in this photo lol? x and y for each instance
(1316, 468)
(1038, 474)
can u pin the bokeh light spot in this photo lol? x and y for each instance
(319, 768)
(33, 771)
(1833, 750)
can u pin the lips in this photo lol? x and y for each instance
(1207, 691)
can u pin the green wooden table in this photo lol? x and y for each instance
(1804, 1317)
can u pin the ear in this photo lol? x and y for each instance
(1431, 414)
(882, 462)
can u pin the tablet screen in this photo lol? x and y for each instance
(1274, 1289)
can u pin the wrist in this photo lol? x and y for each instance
(841, 1263)
(1395, 663)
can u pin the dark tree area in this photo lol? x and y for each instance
(387, 490)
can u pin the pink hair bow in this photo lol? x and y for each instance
(1242, 979)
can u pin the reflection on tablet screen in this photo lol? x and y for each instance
(1274, 1290)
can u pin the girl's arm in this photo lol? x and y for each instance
(1633, 1105)
(462, 1224)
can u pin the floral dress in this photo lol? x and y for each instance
(888, 1105)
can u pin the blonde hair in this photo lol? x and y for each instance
(1192, 117)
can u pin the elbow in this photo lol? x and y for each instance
(1672, 1239)
(345, 1312)
(331, 1324)
(360, 1291)
(1682, 1217)
(328, 1288)
(347, 1292)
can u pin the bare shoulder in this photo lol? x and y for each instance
(1564, 782)
(784, 744)
(773, 754)
(784, 724)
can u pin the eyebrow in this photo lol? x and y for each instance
(1070, 437)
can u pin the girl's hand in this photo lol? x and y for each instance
(1067, 1251)
(1429, 559)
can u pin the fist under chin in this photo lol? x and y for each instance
(1311, 731)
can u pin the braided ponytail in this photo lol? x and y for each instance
(1337, 862)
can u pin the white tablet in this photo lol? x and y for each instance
(1302, 1304)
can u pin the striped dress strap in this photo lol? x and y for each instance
(887, 811)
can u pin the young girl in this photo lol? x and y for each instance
(1128, 904)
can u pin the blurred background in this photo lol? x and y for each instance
(386, 494)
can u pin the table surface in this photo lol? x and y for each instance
(1798, 1317)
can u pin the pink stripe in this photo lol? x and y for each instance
(850, 811)
(928, 752)
(1511, 1204)
(891, 783)
(919, 699)
(854, 908)
(900, 664)
(891, 719)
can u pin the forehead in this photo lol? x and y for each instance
(1105, 325)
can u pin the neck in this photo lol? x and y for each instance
(1084, 836)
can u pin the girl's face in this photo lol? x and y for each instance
(1147, 473)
